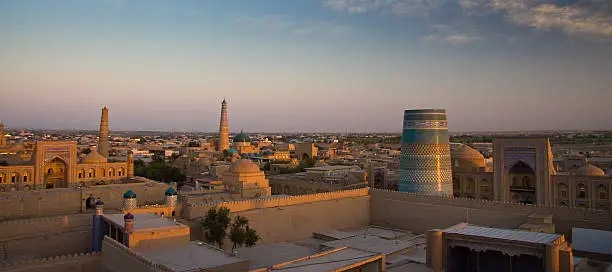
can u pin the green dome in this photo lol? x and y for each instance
(170, 192)
(129, 194)
(242, 137)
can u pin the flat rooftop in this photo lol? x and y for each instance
(144, 221)
(373, 243)
(331, 167)
(503, 234)
(328, 261)
(262, 256)
(188, 256)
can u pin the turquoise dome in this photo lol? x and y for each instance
(268, 152)
(233, 151)
(170, 192)
(129, 194)
(242, 137)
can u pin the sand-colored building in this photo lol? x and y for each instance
(246, 180)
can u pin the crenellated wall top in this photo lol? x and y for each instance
(51, 260)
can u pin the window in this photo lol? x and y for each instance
(80, 175)
(562, 191)
(13, 178)
(581, 191)
(25, 178)
(50, 171)
(602, 191)
(484, 186)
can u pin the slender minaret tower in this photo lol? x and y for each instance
(103, 137)
(2, 138)
(223, 130)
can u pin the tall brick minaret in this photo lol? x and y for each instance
(103, 137)
(2, 138)
(223, 129)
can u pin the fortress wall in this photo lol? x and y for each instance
(192, 210)
(296, 222)
(27, 204)
(421, 212)
(45, 237)
(118, 258)
(63, 263)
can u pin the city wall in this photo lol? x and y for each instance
(296, 217)
(45, 236)
(420, 212)
(64, 263)
(28, 204)
(197, 210)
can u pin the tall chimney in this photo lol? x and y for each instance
(223, 129)
(103, 137)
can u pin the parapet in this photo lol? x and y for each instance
(90, 256)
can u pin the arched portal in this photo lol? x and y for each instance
(55, 174)
(523, 183)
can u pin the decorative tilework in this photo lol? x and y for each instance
(425, 162)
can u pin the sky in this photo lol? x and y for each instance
(306, 65)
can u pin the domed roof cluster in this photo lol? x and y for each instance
(590, 170)
(244, 166)
(468, 157)
(242, 138)
(129, 194)
(94, 157)
(170, 192)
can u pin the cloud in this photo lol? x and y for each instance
(584, 17)
(402, 7)
(280, 22)
(453, 39)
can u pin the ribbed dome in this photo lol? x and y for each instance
(170, 192)
(590, 170)
(94, 157)
(242, 138)
(244, 166)
(468, 157)
(129, 194)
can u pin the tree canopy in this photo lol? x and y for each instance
(215, 224)
(241, 234)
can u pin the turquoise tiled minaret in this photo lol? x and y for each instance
(425, 163)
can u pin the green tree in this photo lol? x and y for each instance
(241, 234)
(215, 224)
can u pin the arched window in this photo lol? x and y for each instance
(120, 172)
(91, 173)
(111, 172)
(581, 191)
(1, 177)
(14, 177)
(485, 187)
(50, 171)
(562, 190)
(26, 176)
(602, 191)
(470, 186)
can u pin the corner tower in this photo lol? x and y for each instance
(103, 137)
(223, 129)
(425, 163)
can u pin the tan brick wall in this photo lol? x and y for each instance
(89, 262)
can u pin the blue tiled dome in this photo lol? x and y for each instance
(128, 216)
(129, 194)
(233, 151)
(242, 137)
(170, 192)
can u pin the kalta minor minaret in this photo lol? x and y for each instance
(103, 137)
(223, 130)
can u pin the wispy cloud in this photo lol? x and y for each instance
(453, 39)
(584, 17)
(281, 22)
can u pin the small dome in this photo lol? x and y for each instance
(128, 216)
(99, 203)
(170, 192)
(268, 153)
(242, 137)
(590, 170)
(468, 157)
(94, 157)
(233, 151)
(129, 194)
(244, 166)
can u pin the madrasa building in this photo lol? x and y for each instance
(522, 170)
(56, 164)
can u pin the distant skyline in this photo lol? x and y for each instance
(306, 65)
